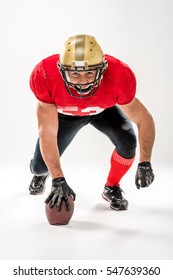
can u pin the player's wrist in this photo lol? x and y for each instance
(56, 182)
(58, 179)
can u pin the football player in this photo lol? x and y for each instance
(81, 86)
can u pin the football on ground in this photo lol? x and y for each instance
(60, 218)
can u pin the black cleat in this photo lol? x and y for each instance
(115, 197)
(37, 185)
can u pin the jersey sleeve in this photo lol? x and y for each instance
(128, 86)
(39, 84)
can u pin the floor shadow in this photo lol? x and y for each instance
(85, 225)
(102, 207)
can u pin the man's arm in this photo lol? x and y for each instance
(48, 129)
(138, 114)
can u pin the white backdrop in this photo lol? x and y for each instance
(139, 32)
(136, 31)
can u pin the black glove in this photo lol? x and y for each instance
(144, 175)
(59, 192)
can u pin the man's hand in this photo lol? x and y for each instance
(59, 192)
(144, 175)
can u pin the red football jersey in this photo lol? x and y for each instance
(118, 86)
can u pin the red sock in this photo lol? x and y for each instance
(119, 166)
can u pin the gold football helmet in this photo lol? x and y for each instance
(82, 53)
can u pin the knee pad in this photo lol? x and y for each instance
(130, 153)
(126, 147)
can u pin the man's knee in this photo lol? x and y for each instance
(130, 153)
(127, 148)
(38, 169)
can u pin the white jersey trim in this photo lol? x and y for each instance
(77, 111)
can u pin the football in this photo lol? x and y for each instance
(60, 218)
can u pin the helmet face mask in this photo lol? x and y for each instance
(82, 89)
(82, 54)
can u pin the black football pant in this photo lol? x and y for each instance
(112, 122)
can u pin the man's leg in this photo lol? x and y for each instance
(118, 128)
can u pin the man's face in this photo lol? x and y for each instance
(82, 78)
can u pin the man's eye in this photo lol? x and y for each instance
(90, 73)
(75, 74)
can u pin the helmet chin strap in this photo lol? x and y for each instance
(80, 90)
